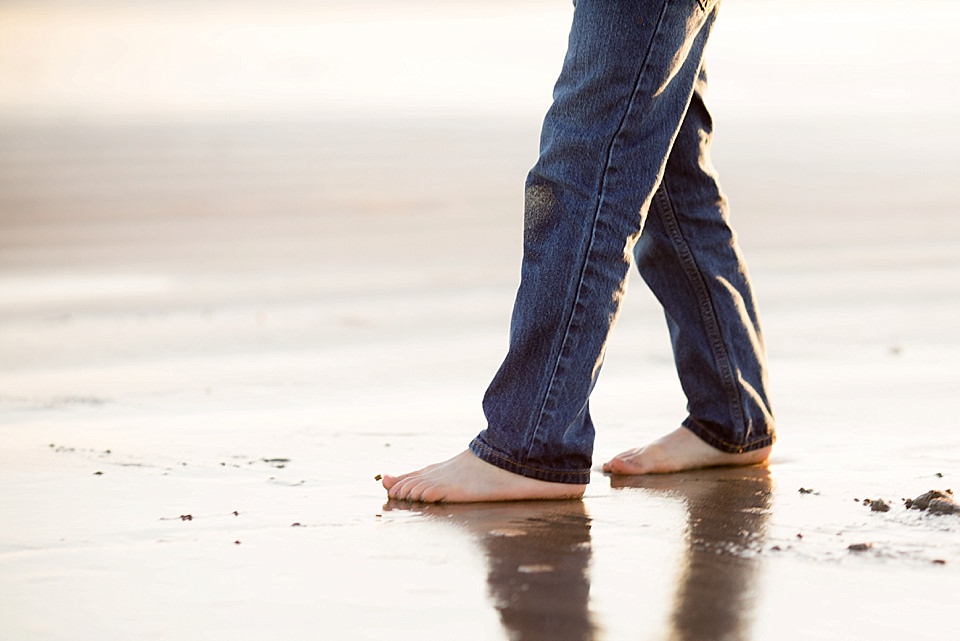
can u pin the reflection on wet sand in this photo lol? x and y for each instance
(727, 510)
(538, 556)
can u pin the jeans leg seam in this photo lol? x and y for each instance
(707, 312)
(561, 353)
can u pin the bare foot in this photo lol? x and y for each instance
(679, 450)
(467, 479)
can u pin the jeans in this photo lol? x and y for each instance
(624, 175)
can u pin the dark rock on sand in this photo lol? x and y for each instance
(877, 505)
(934, 501)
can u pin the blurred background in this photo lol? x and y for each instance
(206, 112)
(87, 60)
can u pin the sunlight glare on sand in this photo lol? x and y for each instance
(112, 60)
(105, 59)
(21, 291)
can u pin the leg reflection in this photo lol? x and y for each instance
(728, 509)
(538, 556)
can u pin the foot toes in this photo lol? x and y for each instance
(400, 490)
(630, 462)
(431, 495)
(415, 493)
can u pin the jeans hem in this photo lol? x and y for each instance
(485, 453)
(708, 433)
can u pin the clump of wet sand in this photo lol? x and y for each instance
(935, 502)
(877, 505)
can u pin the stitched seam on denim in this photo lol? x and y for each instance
(707, 312)
(561, 356)
(524, 466)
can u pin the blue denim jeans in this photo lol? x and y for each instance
(624, 173)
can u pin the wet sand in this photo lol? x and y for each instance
(216, 331)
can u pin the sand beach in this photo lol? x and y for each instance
(254, 254)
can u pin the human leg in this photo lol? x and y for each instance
(689, 257)
(624, 89)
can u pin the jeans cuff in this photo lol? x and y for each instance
(710, 433)
(488, 454)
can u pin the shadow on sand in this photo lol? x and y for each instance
(538, 556)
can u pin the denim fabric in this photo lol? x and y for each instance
(624, 174)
